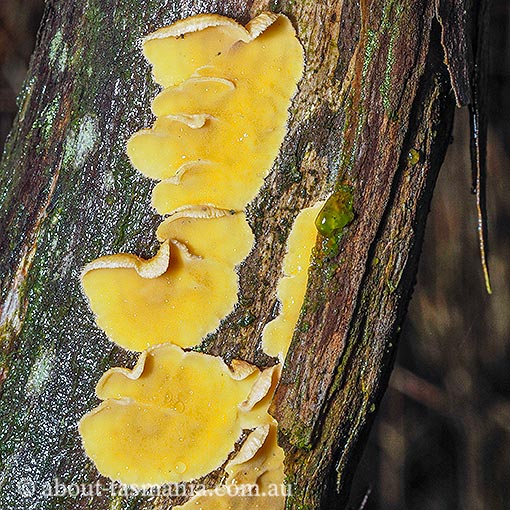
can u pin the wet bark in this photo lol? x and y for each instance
(375, 90)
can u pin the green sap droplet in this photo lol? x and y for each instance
(336, 213)
(413, 157)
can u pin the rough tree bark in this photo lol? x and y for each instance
(375, 88)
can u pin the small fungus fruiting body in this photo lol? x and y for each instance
(178, 50)
(175, 417)
(210, 233)
(255, 477)
(278, 333)
(138, 310)
(336, 213)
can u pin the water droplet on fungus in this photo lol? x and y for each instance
(180, 467)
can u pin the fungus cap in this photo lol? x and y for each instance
(174, 417)
(138, 308)
(194, 41)
(210, 233)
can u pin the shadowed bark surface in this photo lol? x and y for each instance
(375, 88)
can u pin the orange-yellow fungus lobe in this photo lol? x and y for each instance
(244, 90)
(181, 305)
(178, 50)
(174, 417)
(255, 477)
(210, 233)
(196, 95)
(200, 182)
(277, 334)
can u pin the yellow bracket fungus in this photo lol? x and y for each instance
(220, 120)
(255, 477)
(193, 42)
(222, 115)
(181, 302)
(210, 233)
(277, 334)
(175, 417)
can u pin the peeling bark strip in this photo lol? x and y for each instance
(457, 46)
(478, 123)
(464, 36)
(375, 87)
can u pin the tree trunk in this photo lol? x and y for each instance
(375, 91)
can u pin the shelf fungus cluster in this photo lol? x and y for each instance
(220, 120)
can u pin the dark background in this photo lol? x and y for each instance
(442, 436)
